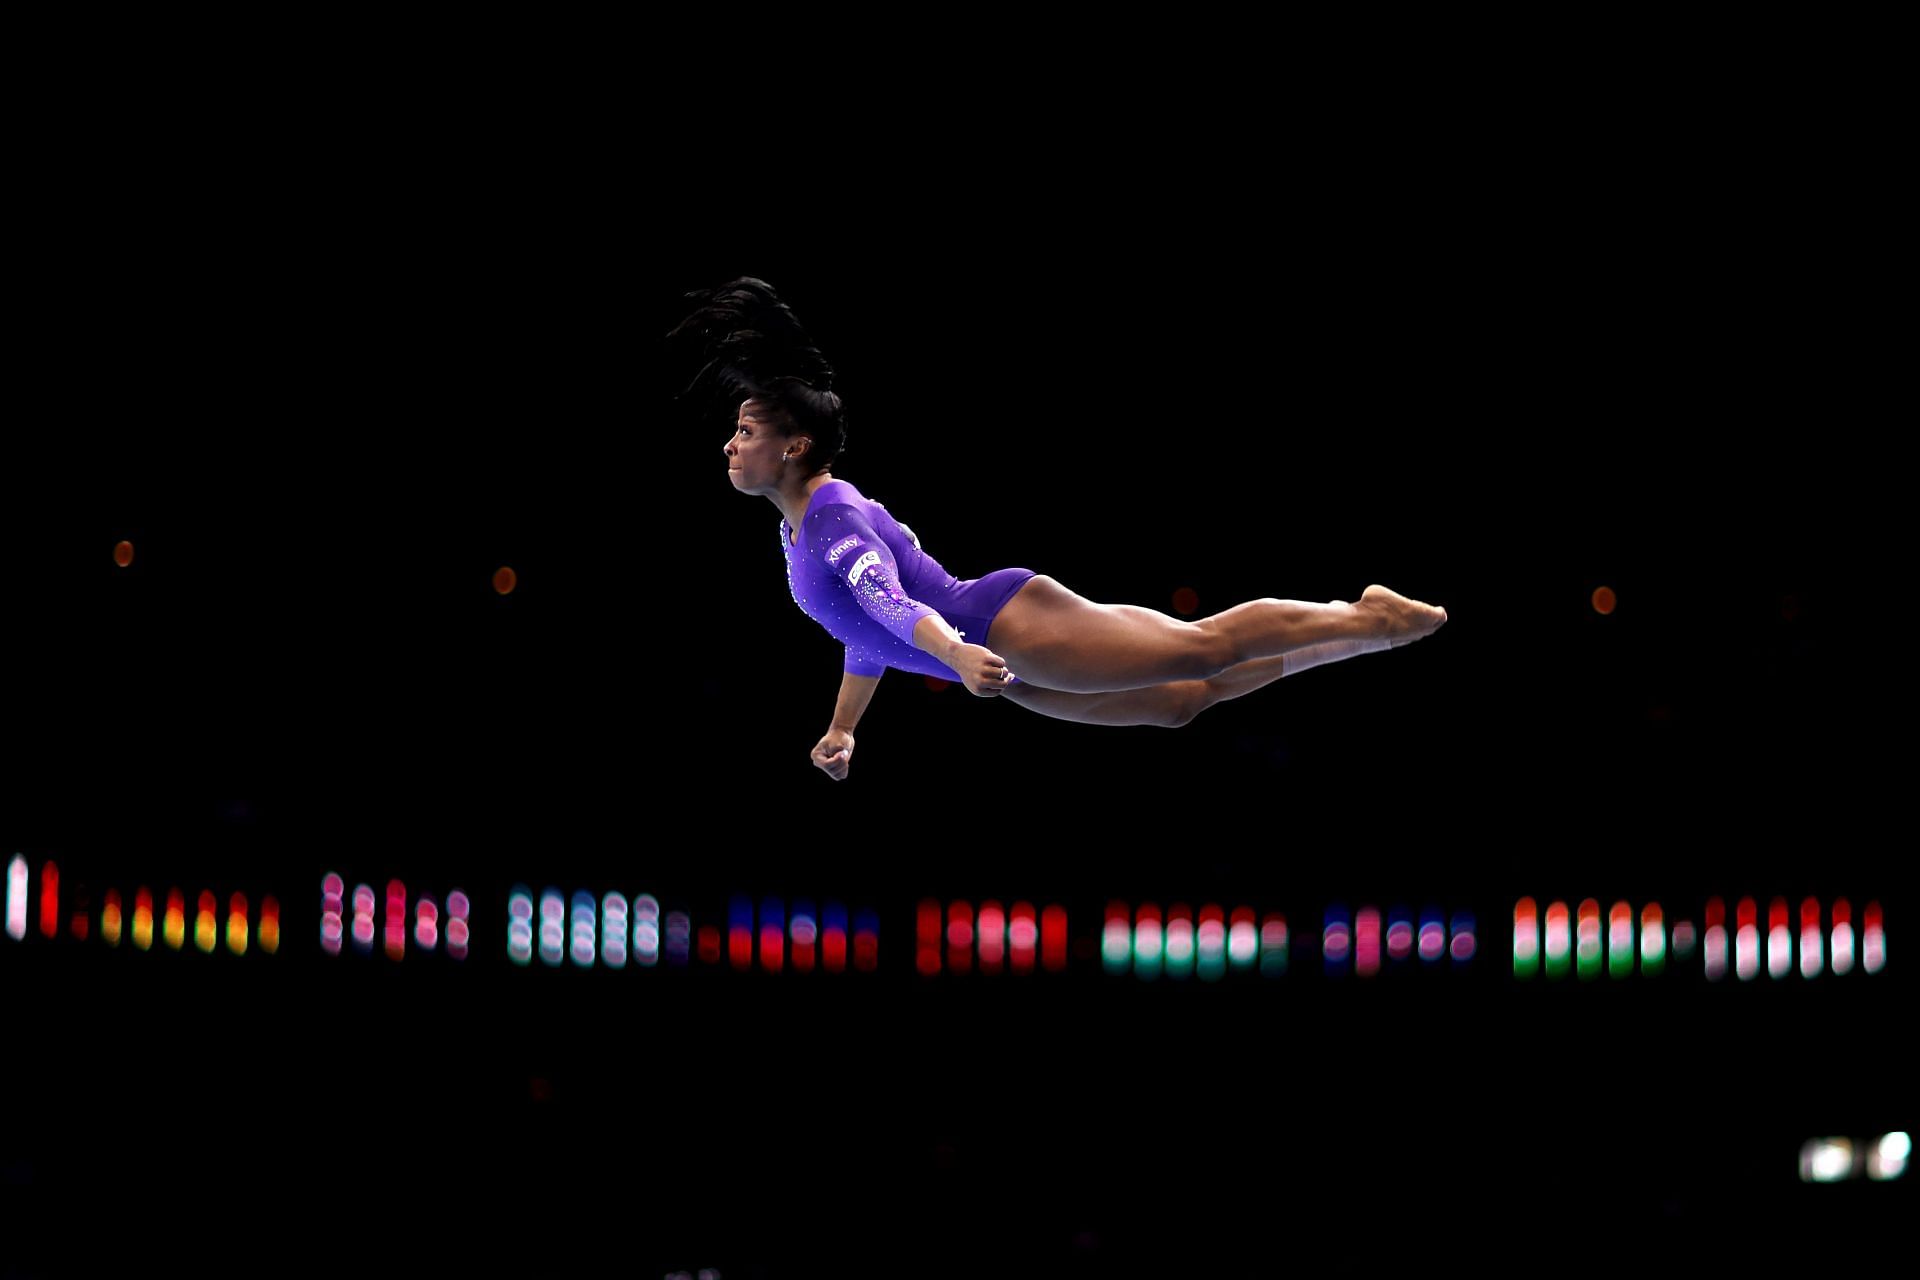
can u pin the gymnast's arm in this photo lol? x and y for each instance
(833, 754)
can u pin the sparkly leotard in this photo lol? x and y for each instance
(861, 574)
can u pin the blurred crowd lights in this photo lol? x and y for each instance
(236, 925)
(1366, 941)
(355, 922)
(613, 931)
(1564, 940)
(1880, 1159)
(990, 937)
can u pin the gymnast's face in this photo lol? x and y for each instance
(754, 454)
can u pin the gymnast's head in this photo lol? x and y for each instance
(755, 368)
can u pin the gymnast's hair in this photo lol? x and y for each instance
(749, 346)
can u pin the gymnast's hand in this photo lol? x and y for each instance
(983, 671)
(834, 753)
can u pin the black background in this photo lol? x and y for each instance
(1494, 359)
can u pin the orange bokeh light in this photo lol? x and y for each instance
(123, 554)
(1603, 600)
(1186, 600)
(504, 580)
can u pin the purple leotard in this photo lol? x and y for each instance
(861, 574)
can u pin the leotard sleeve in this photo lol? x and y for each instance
(846, 541)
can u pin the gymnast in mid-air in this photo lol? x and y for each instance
(1015, 634)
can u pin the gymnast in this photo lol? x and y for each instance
(1016, 634)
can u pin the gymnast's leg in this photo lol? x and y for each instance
(1176, 704)
(1058, 640)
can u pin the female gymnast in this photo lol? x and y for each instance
(862, 575)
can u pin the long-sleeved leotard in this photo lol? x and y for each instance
(861, 574)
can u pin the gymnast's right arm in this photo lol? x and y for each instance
(834, 752)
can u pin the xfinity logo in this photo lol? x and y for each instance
(841, 548)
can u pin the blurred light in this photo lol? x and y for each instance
(332, 907)
(1179, 941)
(1811, 950)
(1023, 935)
(1887, 1158)
(833, 939)
(1211, 938)
(646, 933)
(1146, 941)
(1336, 939)
(49, 900)
(173, 928)
(110, 919)
(1273, 945)
(1053, 938)
(1433, 936)
(993, 937)
(1620, 941)
(1873, 948)
(426, 923)
(459, 931)
(1588, 919)
(363, 918)
(1842, 938)
(1714, 944)
(1115, 940)
(396, 930)
(1746, 940)
(740, 932)
(520, 925)
(708, 942)
(773, 935)
(17, 898)
(1399, 934)
(804, 934)
(582, 929)
(1779, 940)
(81, 922)
(237, 924)
(1559, 940)
(1243, 939)
(1603, 600)
(553, 927)
(1366, 942)
(1463, 945)
(1186, 601)
(866, 941)
(505, 579)
(142, 918)
(123, 553)
(926, 933)
(613, 930)
(1826, 1160)
(270, 925)
(1526, 939)
(206, 928)
(1684, 940)
(960, 937)
(679, 937)
(1653, 941)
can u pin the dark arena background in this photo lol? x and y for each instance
(413, 856)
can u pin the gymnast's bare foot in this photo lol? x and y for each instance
(1402, 620)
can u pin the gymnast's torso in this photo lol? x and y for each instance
(862, 575)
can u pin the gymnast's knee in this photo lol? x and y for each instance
(1209, 651)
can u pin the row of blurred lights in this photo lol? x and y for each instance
(960, 936)
(1881, 1159)
(1213, 942)
(992, 937)
(349, 922)
(210, 924)
(1573, 940)
(612, 930)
